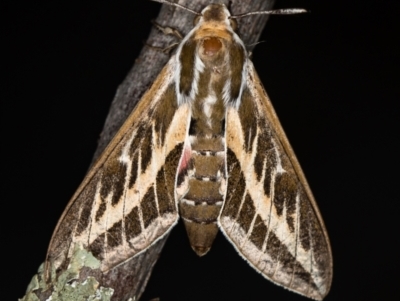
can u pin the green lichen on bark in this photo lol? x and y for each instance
(68, 286)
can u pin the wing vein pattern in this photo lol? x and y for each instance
(269, 213)
(128, 202)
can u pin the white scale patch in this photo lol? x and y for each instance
(226, 92)
(188, 202)
(279, 168)
(208, 104)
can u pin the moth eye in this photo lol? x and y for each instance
(233, 24)
(196, 20)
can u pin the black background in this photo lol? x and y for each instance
(332, 78)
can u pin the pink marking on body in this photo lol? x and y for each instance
(183, 165)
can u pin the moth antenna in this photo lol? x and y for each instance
(283, 11)
(177, 5)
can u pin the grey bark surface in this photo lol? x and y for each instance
(129, 279)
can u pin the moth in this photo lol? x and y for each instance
(204, 143)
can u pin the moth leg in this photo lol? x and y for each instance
(165, 49)
(168, 30)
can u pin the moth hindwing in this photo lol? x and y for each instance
(203, 142)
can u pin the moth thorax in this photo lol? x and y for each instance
(212, 52)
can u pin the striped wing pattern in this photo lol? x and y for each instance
(128, 201)
(269, 213)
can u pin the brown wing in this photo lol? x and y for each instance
(127, 200)
(270, 214)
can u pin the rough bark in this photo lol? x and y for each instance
(128, 280)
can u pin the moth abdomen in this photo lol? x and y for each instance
(201, 205)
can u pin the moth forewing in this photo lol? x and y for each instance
(271, 217)
(107, 215)
(204, 141)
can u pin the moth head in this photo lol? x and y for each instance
(216, 13)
